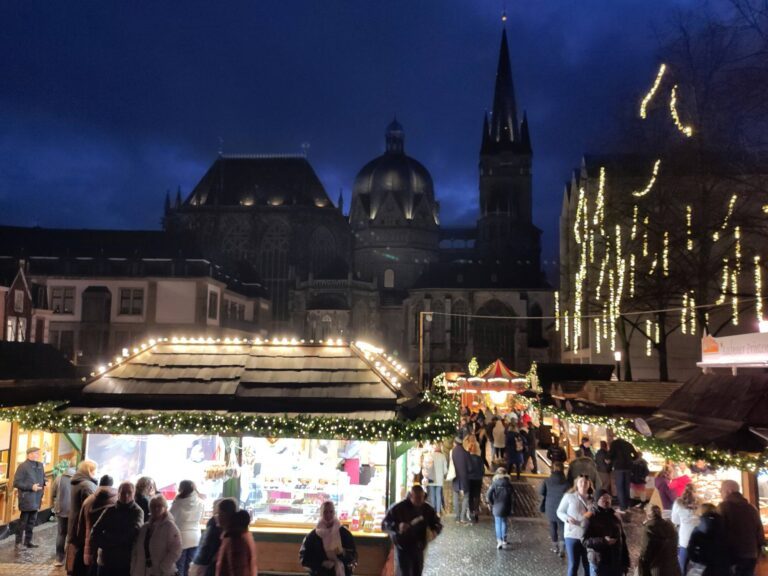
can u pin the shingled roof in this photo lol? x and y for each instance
(646, 395)
(283, 377)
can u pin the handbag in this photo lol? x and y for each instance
(451, 476)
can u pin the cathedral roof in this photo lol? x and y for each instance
(256, 180)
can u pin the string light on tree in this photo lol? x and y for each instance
(651, 182)
(652, 92)
(687, 130)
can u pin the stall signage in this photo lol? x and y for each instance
(741, 350)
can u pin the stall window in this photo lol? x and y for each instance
(63, 300)
(131, 301)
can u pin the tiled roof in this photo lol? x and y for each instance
(621, 394)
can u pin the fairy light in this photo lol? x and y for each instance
(597, 334)
(648, 343)
(557, 311)
(729, 212)
(646, 221)
(632, 275)
(657, 332)
(737, 248)
(651, 182)
(599, 216)
(665, 254)
(687, 130)
(653, 265)
(726, 274)
(692, 313)
(633, 234)
(684, 315)
(688, 224)
(566, 329)
(758, 289)
(735, 297)
(652, 92)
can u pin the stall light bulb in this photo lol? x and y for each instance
(152, 342)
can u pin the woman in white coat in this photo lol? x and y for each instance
(684, 516)
(158, 545)
(574, 509)
(187, 511)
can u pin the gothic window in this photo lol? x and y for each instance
(325, 327)
(389, 278)
(437, 329)
(322, 251)
(273, 267)
(459, 322)
(494, 335)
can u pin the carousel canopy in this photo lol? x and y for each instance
(257, 377)
(496, 378)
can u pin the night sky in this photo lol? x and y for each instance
(105, 105)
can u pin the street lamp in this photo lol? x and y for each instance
(617, 358)
(422, 316)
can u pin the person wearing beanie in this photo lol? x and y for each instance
(605, 540)
(29, 480)
(500, 497)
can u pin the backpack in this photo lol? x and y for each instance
(519, 444)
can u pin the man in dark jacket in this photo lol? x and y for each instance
(210, 542)
(531, 441)
(29, 480)
(585, 449)
(604, 539)
(115, 531)
(515, 450)
(621, 455)
(743, 529)
(551, 492)
(407, 524)
(555, 453)
(60, 492)
(460, 459)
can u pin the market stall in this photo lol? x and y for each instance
(282, 425)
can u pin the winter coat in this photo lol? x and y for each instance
(622, 454)
(573, 505)
(658, 549)
(585, 452)
(460, 459)
(114, 534)
(27, 474)
(707, 546)
(81, 486)
(511, 451)
(93, 508)
(499, 435)
(743, 530)
(556, 454)
(584, 466)
(551, 492)
(500, 496)
(639, 472)
(601, 461)
(312, 554)
(415, 538)
(143, 503)
(666, 493)
(610, 559)
(208, 548)
(164, 544)
(476, 467)
(237, 555)
(686, 520)
(531, 438)
(437, 469)
(61, 493)
(187, 513)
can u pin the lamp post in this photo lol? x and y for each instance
(617, 358)
(422, 316)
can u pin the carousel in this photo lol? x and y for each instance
(494, 387)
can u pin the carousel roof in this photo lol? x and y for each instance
(496, 377)
(280, 376)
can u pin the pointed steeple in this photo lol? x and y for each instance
(525, 136)
(340, 202)
(178, 197)
(486, 134)
(504, 127)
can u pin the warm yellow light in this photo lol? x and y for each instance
(649, 96)
(651, 182)
(687, 130)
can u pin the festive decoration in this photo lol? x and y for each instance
(649, 96)
(51, 417)
(473, 366)
(651, 182)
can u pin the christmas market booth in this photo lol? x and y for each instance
(494, 387)
(29, 373)
(282, 425)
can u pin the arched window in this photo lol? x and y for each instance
(322, 251)
(459, 322)
(273, 267)
(494, 337)
(389, 278)
(437, 327)
(326, 325)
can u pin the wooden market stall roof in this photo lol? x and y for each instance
(726, 412)
(31, 372)
(266, 377)
(617, 394)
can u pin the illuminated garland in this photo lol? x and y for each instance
(48, 416)
(668, 450)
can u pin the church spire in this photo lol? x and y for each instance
(504, 128)
(525, 135)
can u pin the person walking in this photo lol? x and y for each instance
(574, 508)
(82, 485)
(187, 510)
(158, 543)
(204, 563)
(114, 533)
(515, 450)
(60, 493)
(706, 548)
(410, 524)
(658, 547)
(436, 471)
(499, 439)
(92, 509)
(551, 492)
(622, 454)
(329, 549)
(637, 479)
(685, 518)
(500, 497)
(460, 460)
(29, 481)
(603, 465)
(585, 449)
(145, 491)
(475, 475)
(584, 466)
(555, 452)
(237, 555)
(530, 435)
(605, 540)
(744, 534)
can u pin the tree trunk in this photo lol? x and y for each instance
(661, 347)
(625, 350)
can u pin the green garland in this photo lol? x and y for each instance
(48, 416)
(678, 452)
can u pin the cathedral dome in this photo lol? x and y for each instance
(395, 175)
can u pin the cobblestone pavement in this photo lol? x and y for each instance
(31, 562)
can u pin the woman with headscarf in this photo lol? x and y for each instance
(158, 544)
(329, 549)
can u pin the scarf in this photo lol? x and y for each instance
(331, 538)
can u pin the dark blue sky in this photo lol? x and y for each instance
(104, 105)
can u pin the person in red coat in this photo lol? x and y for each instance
(237, 554)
